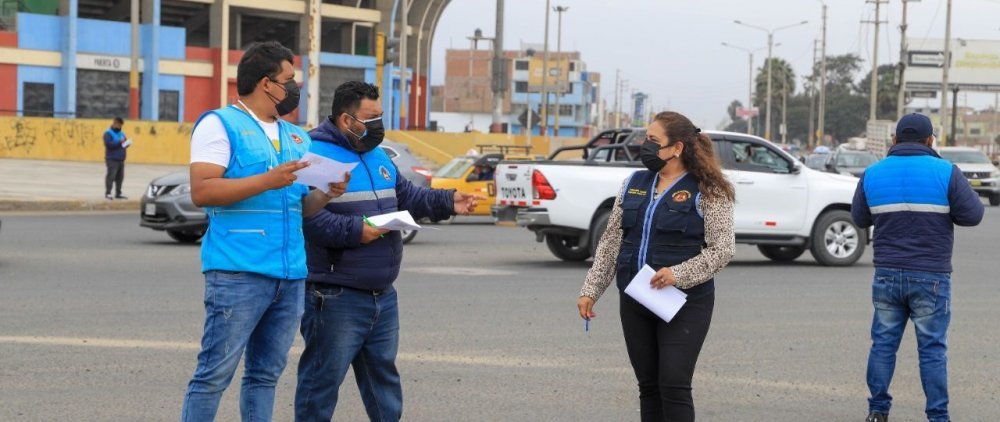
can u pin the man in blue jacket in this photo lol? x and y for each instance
(351, 317)
(115, 144)
(914, 199)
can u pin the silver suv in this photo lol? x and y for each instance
(976, 166)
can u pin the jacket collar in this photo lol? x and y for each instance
(906, 149)
(328, 132)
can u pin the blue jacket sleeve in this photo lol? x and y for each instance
(435, 204)
(860, 211)
(966, 208)
(110, 142)
(331, 230)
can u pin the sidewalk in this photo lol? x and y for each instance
(32, 185)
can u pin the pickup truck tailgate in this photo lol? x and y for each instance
(514, 185)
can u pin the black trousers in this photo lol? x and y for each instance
(664, 355)
(115, 175)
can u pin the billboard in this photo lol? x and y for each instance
(974, 65)
(558, 75)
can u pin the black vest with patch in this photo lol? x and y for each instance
(660, 232)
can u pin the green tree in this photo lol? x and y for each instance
(888, 91)
(736, 123)
(782, 77)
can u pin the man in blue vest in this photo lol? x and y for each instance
(914, 199)
(351, 317)
(243, 164)
(115, 144)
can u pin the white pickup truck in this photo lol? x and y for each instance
(782, 206)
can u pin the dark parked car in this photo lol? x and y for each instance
(849, 162)
(167, 204)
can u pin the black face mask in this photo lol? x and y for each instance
(291, 101)
(371, 138)
(116, 130)
(649, 155)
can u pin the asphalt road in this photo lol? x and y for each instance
(100, 321)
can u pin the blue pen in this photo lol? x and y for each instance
(586, 324)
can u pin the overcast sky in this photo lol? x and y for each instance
(672, 48)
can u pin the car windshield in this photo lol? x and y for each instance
(455, 168)
(974, 157)
(856, 159)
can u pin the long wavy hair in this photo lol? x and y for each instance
(698, 156)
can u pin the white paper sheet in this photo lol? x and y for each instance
(401, 220)
(322, 171)
(665, 302)
(127, 143)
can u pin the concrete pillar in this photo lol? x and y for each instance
(70, 11)
(388, 26)
(219, 42)
(151, 60)
(309, 42)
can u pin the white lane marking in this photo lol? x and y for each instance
(458, 271)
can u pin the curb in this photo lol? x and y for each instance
(67, 205)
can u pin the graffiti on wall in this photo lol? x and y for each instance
(83, 140)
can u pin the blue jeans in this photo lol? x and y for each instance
(925, 298)
(344, 327)
(243, 311)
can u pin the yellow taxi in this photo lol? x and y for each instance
(473, 173)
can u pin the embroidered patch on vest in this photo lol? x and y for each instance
(635, 191)
(385, 173)
(681, 196)
(296, 139)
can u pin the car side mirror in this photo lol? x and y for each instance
(996, 162)
(829, 166)
(796, 168)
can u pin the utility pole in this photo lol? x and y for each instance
(873, 99)
(812, 103)
(749, 83)
(903, 47)
(545, 75)
(618, 83)
(559, 59)
(499, 69)
(784, 111)
(944, 78)
(822, 84)
(404, 41)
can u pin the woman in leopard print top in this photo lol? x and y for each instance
(687, 238)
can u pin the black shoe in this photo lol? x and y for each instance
(877, 417)
(110, 198)
(121, 197)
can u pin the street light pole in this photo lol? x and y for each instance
(545, 75)
(944, 78)
(499, 69)
(559, 58)
(749, 82)
(770, 48)
(901, 96)
(822, 83)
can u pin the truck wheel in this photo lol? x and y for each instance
(408, 235)
(995, 199)
(779, 253)
(566, 248)
(597, 231)
(185, 236)
(836, 241)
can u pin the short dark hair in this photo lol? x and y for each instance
(261, 59)
(119, 120)
(349, 94)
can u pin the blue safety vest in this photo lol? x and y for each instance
(261, 234)
(660, 232)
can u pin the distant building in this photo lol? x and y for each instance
(467, 90)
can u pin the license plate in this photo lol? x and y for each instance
(976, 182)
(150, 209)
